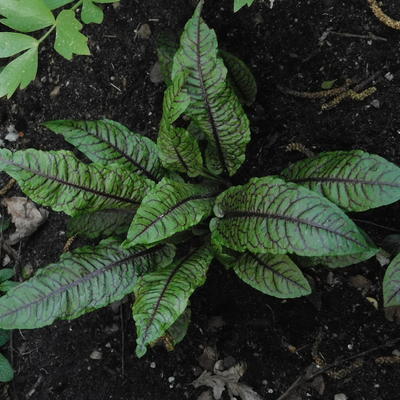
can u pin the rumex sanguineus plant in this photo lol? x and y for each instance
(177, 209)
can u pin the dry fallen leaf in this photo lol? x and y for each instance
(228, 379)
(26, 217)
(208, 358)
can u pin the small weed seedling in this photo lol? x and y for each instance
(35, 15)
(177, 210)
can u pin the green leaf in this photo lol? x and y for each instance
(13, 43)
(177, 332)
(106, 142)
(102, 223)
(354, 180)
(178, 149)
(326, 85)
(6, 371)
(53, 4)
(268, 215)
(4, 337)
(275, 275)
(82, 281)
(391, 284)
(240, 77)
(167, 45)
(162, 296)
(91, 13)
(169, 208)
(6, 273)
(69, 40)
(59, 180)
(19, 72)
(25, 16)
(214, 106)
(238, 4)
(8, 285)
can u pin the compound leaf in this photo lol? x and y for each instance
(25, 16)
(169, 208)
(19, 72)
(82, 281)
(59, 180)
(106, 142)
(12, 43)
(238, 4)
(69, 40)
(178, 149)
(268, 215)
(354, 180)
(162, 296)
(102, 223)
(240, 77)
(6, 371)
(391, 284)
(214, 106)
(275, 275)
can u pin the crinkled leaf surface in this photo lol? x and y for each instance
(354, 180)
(268, 215)
(19, 73)
(25, 16)
(240, 77)
(12, 43)
(106, 142)
(169, 208)
(84, 280)
(214, 106)
(6, 371)
(391, 284)
(59, 180)
(179, 150)
(162, 296)
(275, 275)
(69, 40)
(102, 223)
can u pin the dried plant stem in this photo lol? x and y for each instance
(384, 18)
(7, 187)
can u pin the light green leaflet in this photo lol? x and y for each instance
(53, 4)
(238, 4)
(107, 142)
(82, 281)
(275, 275)
(214, 106)
(59, 180)
(391, 284)
(25, 15)
(19, 72)
(162, 296)
(91, 13)
(13, 43)
(169, 208)
(6, 371)
(268, 215)
(178, 149)
(354, 180)
(69, 40)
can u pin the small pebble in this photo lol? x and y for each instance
(152, 365)
(375, 103)
(144, 32)
(171, 379)
(396, 352)
(340, 396)
(55, 92)
(389, 76)
(96, 355)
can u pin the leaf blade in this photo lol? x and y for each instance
(105, 142)
(12, 43)
(59, 180)
(354, 180)
(162, 296)
(6, 371)
(268, 215)
(391, 284)
(84, 280)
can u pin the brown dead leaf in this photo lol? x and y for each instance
(360, 282)
(26, 217)
(208, 358)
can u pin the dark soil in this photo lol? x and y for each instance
(282, 46)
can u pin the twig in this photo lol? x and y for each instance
(369, 36)
(303, 378)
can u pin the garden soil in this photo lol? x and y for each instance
(297, 45)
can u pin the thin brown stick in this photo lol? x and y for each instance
(303, 378)
(369, 36)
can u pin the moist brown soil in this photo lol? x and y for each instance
(283, 46)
